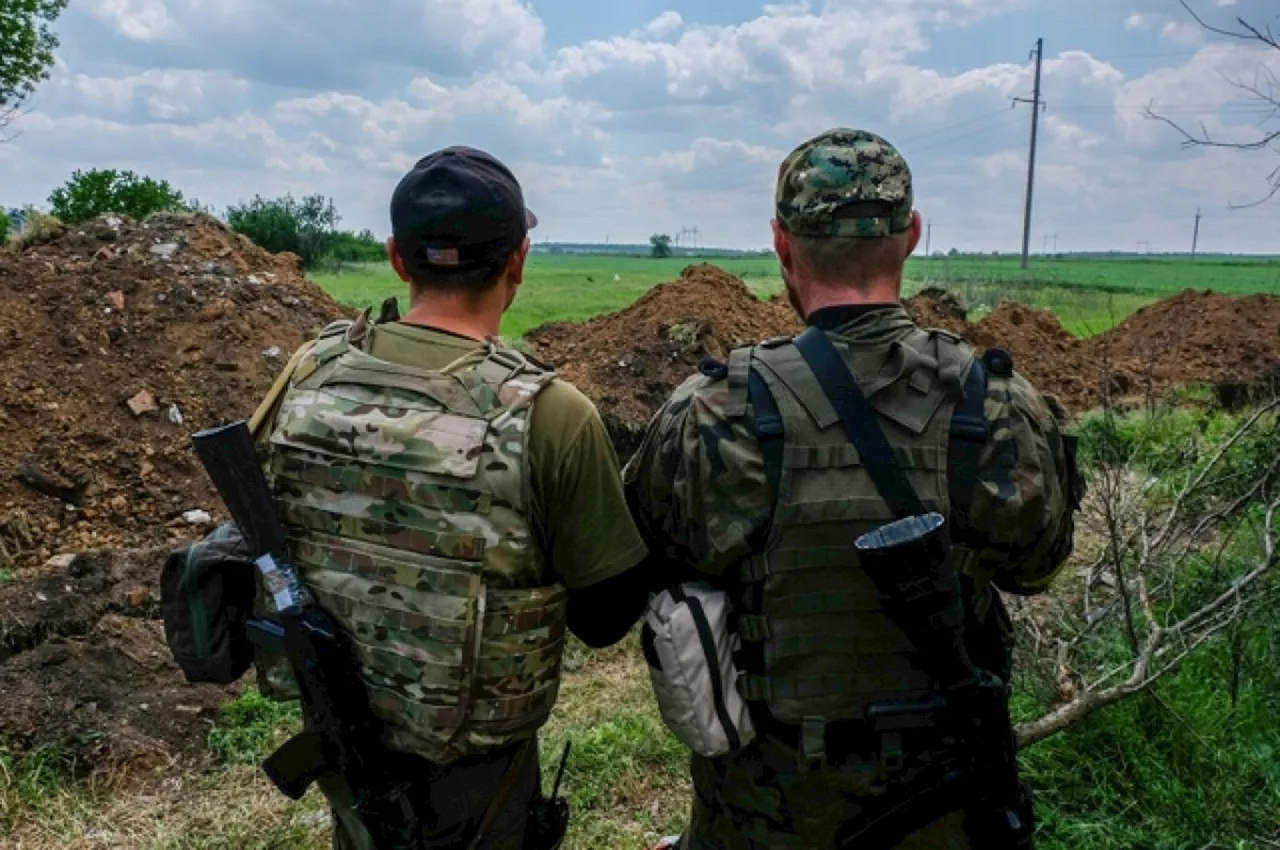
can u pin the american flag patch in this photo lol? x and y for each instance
(443, 256)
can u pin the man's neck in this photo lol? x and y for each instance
(457, 315)
(881, 291)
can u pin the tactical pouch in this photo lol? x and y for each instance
(206, 595)
(689, 646)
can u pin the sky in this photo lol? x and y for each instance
(624, 118)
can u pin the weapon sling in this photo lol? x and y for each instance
(863, 431)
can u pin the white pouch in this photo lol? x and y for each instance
(689, 648)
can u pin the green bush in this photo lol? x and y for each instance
(4, 227)
(363, 247)
(307, 226)
(89, 194)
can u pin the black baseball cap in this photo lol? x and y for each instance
(459, 210)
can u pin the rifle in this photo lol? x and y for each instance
(909, 562)
(346, 737)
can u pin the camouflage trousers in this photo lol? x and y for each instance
(451, 801)
(762, 799)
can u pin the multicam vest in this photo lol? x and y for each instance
(406, 495)
(818, 645)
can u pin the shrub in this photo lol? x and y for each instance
(307, 227)
(89, 194)
(4, 227)
(37, 228)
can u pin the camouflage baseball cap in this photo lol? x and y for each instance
(845, 183)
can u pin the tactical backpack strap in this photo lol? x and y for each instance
(859, 421)
(969, 433)
(767, 426)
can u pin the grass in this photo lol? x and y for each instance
(1089, 296)
(1183, 769)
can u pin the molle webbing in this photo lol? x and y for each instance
(818, 645)
(406, 495)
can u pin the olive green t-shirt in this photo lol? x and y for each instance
(578, 510)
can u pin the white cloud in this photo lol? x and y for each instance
(1138, 21)
(297, 43)
(677, 123)
(1182, 32)
(665, 24)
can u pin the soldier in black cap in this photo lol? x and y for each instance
(457, 507)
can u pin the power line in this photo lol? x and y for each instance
(966, 123)
(985, 131)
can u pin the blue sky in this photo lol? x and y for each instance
(627, 117)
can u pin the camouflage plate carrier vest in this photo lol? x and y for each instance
(818, 645)
(406, 495)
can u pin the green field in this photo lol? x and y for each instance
(1089, 296)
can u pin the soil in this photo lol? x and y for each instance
(1230, 342)
(628, 362)
(119, 340)
(83, 665)
(186, 319)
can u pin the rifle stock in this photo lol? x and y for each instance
(346, 738)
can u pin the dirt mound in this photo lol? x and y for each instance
(119, 339)
(81, 665)
(938, 308)
(628, 362)
(1057, 363)
(1232, 342)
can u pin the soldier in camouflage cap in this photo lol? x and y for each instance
(746, 478)
(457, 509)
(845, 183)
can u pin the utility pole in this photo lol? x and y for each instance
(1195, 240)
(928, 239)
(1031, 161)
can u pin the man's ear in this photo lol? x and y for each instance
(781, 244)
(914, 232)
(396, 262)
(515, 266)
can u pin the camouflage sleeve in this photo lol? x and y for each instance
(1027, 490)
(697, 486)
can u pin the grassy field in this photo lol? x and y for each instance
(1089, 296)
(1192, 765)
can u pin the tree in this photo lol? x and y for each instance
(100, 191)
(1188, 552)
(26, 50)
(659, 245)
(307, 226)
(1264, 89)
(362, 247)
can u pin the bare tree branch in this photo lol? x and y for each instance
(1196, 525)
(1266, 94)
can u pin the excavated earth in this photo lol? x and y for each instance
(628, 362)
(191, 323)
(119, 340)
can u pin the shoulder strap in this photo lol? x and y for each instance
(969, 433)
(860, 423)
(768, 428)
